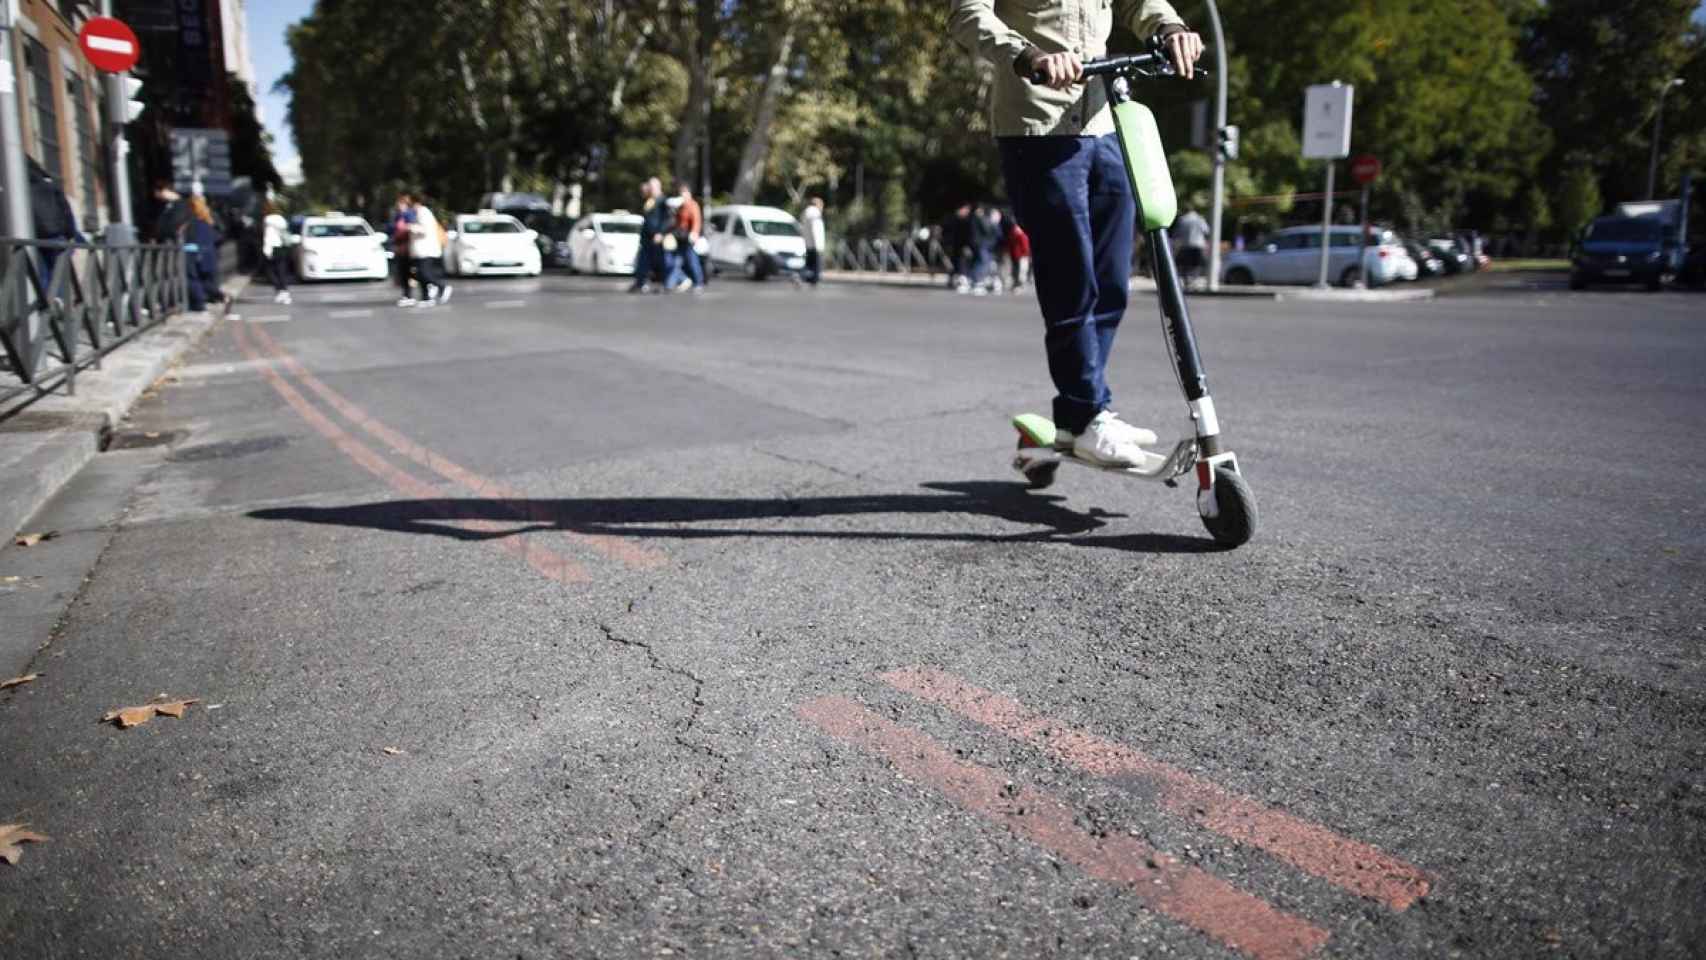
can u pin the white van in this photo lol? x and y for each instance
(757, 241)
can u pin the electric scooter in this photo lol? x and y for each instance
(1224, 500)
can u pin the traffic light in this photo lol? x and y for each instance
(1229, 142)
(126, 104)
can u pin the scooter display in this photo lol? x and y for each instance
(1224, 501)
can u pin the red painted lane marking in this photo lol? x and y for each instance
(630, 554)
(547, 563)
(1349, 864)
(1186, 894)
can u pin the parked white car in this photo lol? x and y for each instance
(757, 241)
(605, 243)
(491, 243)
(335, 246)
(1293, 256)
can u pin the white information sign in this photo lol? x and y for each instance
(1327, 121)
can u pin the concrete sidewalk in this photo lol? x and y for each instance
(46, 444)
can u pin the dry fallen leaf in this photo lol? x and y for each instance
(12, 834)
(31, 539)
(128, 717)
(19, 681)
(11, 579)
(151, 435)
(392, 751)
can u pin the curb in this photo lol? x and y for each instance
(43, 447)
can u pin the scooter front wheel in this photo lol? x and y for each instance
(1234, 509)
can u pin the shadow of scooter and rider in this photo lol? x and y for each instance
(689, 518)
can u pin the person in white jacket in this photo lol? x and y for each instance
(275, 252)
(811, 223)
(427, 251)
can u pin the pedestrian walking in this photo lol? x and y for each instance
(402, 268)
(646, 259)
(991, 240)
(52, 217)
(957, 240)
(811, 223)
(426, 252)
(1068, 182)
(201, 255)
(1019, 254)
(174, 215)
(689, 227)
(275, 253)
(1191, 237)
(658, 228)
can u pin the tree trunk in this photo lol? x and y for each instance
(696, 55)
(756, 156)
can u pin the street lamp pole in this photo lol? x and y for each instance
(1218, 201)
(1658, 131)
(13, 177)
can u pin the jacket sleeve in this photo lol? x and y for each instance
(974, 25)
(1145, 18)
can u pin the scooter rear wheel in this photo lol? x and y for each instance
(1235, 522)
(1041, 476)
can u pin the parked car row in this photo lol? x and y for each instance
(755, 241)
(340, 246)
(1293, 256)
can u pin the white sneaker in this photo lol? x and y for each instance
(280, 297)
(405, 301)
(444, 293)
(286, 300)
(1112, 442)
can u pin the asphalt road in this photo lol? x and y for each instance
(563, 623)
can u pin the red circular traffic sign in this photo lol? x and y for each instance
(1365, 169)
(109, 44)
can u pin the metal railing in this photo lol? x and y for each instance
(881, 255)
(64, 306)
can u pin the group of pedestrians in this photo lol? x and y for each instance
(190, 223)
(672, 241)
(978, 238)
(417, 247)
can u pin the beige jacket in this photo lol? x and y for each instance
(1001, 30)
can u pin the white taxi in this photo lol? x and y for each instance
(336, 246)
(605, 243)
(491, 243)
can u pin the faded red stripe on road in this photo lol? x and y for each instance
(1352, 865)
(547, 563)
(1186, 894)
(630, 554)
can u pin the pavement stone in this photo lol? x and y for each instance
(46, 444)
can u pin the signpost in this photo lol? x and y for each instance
(1365, 169)
(1327, 136)
(110, 45)
(201, 160)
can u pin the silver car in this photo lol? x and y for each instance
(1293, 256)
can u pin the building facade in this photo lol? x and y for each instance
(61, 107)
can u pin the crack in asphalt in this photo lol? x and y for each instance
(662, 823)
(806, 462)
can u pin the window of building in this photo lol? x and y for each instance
(43, 112)
(88, 146)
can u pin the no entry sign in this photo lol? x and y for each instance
(109, 44)
(1365, 169)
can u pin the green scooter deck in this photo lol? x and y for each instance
(1039, 430)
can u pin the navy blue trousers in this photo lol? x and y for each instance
(1072, 198)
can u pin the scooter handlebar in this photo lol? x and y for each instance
(1152, 64)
